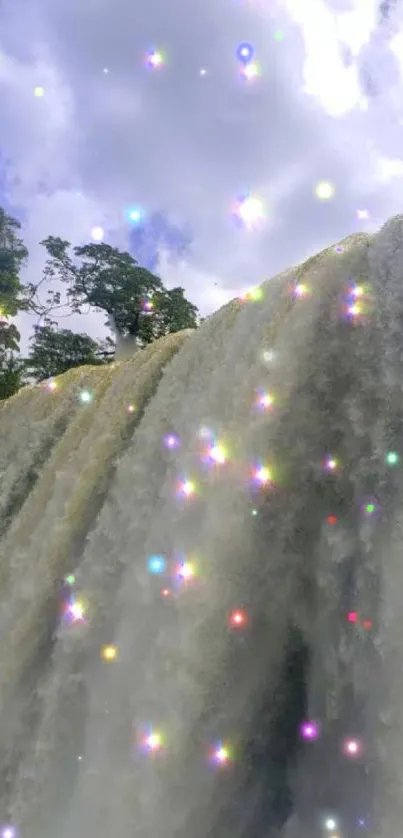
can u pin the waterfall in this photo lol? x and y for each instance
(201, 550)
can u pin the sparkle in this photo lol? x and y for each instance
(76, 611)
(153, 741)
(392, 458)
(186, 571)
(187, 488)
(352, 747)
(330, 824)
(85, 396)
(155, 59)
(218, 454)
(109, 653)
(309, 730)
(324, 190)
(263, 475)
(39, 92)
(97, 234)
(156, 565)
(171, 441)
(238, 618)
(250, 210)
(244, 53)
(250, 71)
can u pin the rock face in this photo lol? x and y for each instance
(258, 457)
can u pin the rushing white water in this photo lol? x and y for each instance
(71, 723)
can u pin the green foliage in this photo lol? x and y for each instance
(13, 254)
(56, 351)
(109, 280)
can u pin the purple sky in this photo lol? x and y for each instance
(110, 135)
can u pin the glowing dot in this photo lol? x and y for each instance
(367, 624)
(268, 356)
(265, 400)
(105, 70)
(355, 310)
(251, 71)
(244, 53)
(357, 291)
(130, 408)
(330, 824)
(301, 290)
(352, 747)
(392, 458)
(70, 579)
(76, 610)
(330, 464)
(309, 730)
(238, 618)
(362, 214)
(52, 385)
(39, 92)
(171, 441)
(331, 519)
(155, 59)
(153, 741)
(8, 832)
(324, 190)
(254, 511)
(97, 234)
(187, 488)
(251, 211)
(135, 215)
(109, 653)
(369, 508)
(85, 396)
(156, 564)
(221, 755)
(263, 475)
(166, 592)
(218, 454)
(203, 72)
(186, 571)
(352, 616)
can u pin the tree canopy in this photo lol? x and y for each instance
(94, 277)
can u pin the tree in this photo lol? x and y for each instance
(56, 351)
(136, 303)
(13, 254)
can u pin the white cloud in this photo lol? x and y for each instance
(326, 78)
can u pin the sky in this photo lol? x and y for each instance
(216, 171)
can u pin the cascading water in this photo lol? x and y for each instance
(202, 574)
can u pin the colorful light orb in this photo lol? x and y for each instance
(148, 305)
(238, 618)
(362, 214)
(250, 211)
(301, 290)
(153, 741)
(171, 441)
(324, 190)
(8, 832)
(392, 458)
(39, 92)
(331, 520)
(166, 592)
(85, 397)
(70, 579)
(76, 611)
(187, 488)
(367, 624)
(130, 408)
(264, 400)
(155, 59)
(262, 475)
(352, 617)
(369, 508)
(186, 571)
(250, 71)
(109, 653)
(218, 454)
(135, 214)
(52, 385)
(97, 234)
(156, 565)
(309, 730)
(330, 463)
(221, 754)
(244, 52)
(252, 295)
(352, 747)
(330, 824)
